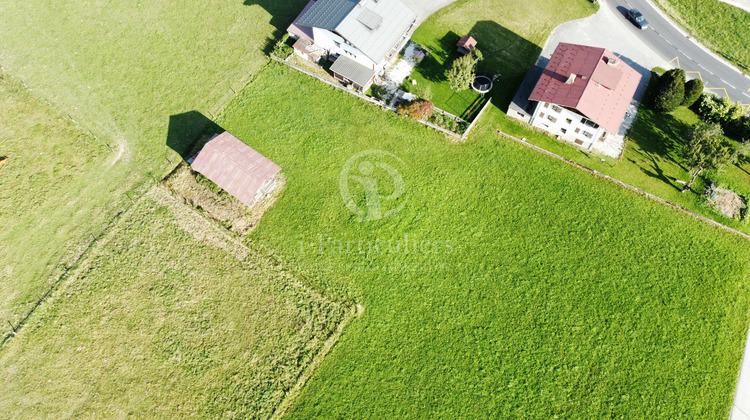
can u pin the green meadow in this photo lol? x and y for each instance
(549, 292)
(501, 283)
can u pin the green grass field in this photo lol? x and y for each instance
(510, 35)
(509, 285)
(721, 27)
(652, 161)
(168, 318)
(551, 292)
(54, 193)
(128, 74)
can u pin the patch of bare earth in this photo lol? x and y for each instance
(221, 207)
(726, 201)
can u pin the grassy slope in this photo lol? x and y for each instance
(121, 70)
(46, 190)
(651, 160)
(510, 35)
(162, 324)
(719, 26)
(561, 294)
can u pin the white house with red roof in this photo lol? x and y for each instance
(582, 96)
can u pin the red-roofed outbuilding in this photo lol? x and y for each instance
(236, 168)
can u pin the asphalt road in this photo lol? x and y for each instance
(668, 40)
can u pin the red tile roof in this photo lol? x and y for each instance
(601, 89)
(234, 166)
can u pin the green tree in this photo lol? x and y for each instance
(670, 91)
(463, 70)
(713, 109)
(693, 91)
(706, 150)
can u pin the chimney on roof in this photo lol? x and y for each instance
(612, 61)
(571, 79)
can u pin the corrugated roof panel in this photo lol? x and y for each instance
(234, 166)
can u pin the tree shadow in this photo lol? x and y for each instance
(282, 14)
(658, 173)
(186, 129)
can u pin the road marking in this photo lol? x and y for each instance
(700, 76)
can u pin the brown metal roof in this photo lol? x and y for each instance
(234, 166)
(591, 80)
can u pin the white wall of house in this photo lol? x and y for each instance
(337, 45)
(568, 125)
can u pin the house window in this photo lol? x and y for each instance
(556, 108)
(541, 115)
(546, 104)
(338, 44)
(563, 130)
(578, 130)
(568, 120)
(578, 142)
(587, 134)
(551, 118)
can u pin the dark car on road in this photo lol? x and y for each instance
(637, 18)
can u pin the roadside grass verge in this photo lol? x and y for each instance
(510, 35)
(544, 291)
(167, 317)
(719, 26)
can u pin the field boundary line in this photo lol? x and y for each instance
(75, 264)
(291, 396)
(625, 185)
(161, 194)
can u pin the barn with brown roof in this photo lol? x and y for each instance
(236, 168)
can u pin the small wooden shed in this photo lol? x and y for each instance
(466, 44)
(236, 168)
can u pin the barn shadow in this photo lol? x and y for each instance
(186, 129)
(282, 14)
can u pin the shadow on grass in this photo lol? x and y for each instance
(282, 14)
(186, 129)
(507, 54)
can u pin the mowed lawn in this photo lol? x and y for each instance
(121, 71)
(542, 291)
(54, 193)
(168, 318)
(721, 27)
